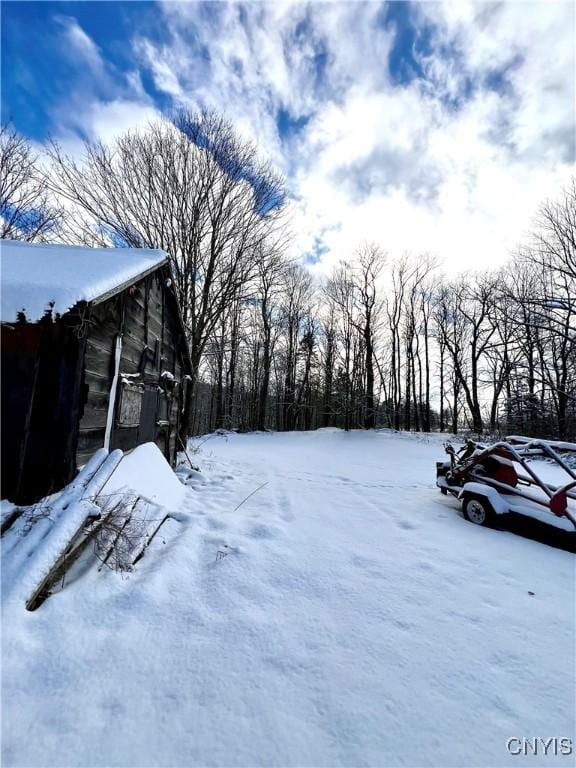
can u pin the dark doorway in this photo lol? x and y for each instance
(148, 416)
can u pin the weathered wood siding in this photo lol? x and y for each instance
(146, 315)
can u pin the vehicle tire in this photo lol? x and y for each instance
(478, 510)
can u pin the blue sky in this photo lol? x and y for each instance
(40, 70)
(414, 124)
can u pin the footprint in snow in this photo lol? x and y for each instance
(406, 525)
(371, 568)
(362, 562)
(261, 531)
(284, 507)
(405, 626)
(215, 524)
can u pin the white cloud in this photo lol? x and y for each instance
(454, 163)
(103, 102)
(406, 165)
(107, 120)
(162, 67)
(81, 44)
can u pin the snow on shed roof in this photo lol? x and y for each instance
(33, 275)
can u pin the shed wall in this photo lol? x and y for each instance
(146, 316)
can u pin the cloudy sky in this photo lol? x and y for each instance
(428, 127)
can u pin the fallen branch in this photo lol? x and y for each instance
(249, 495)
(147, 544)
(119, 533)
(192, 466)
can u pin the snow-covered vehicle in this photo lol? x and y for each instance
(519, 475)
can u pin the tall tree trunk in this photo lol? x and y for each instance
(265, 385)
(407, 393)
(328, 381)
(442, 425)
(455, 407)
(369, 417)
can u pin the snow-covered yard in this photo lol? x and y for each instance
(345, 614)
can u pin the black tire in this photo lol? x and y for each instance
(478, 510)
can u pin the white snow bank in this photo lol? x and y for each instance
(35, 275)
(146, 472)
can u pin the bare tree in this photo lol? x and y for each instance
(401, 275)
(27, 211)
(328, 334)
(271, 272)
(368, 266)
(543, 297)
(340, 295)
(296, 311)
(555, 235)
(191, 187)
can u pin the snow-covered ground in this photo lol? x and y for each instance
(344, 614)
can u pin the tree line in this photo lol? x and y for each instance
(377, 343)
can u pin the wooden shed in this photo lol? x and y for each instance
(94, 355)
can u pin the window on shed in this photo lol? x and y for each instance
(164, 410)
(130, 406)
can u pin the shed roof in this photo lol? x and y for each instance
(37, 276)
